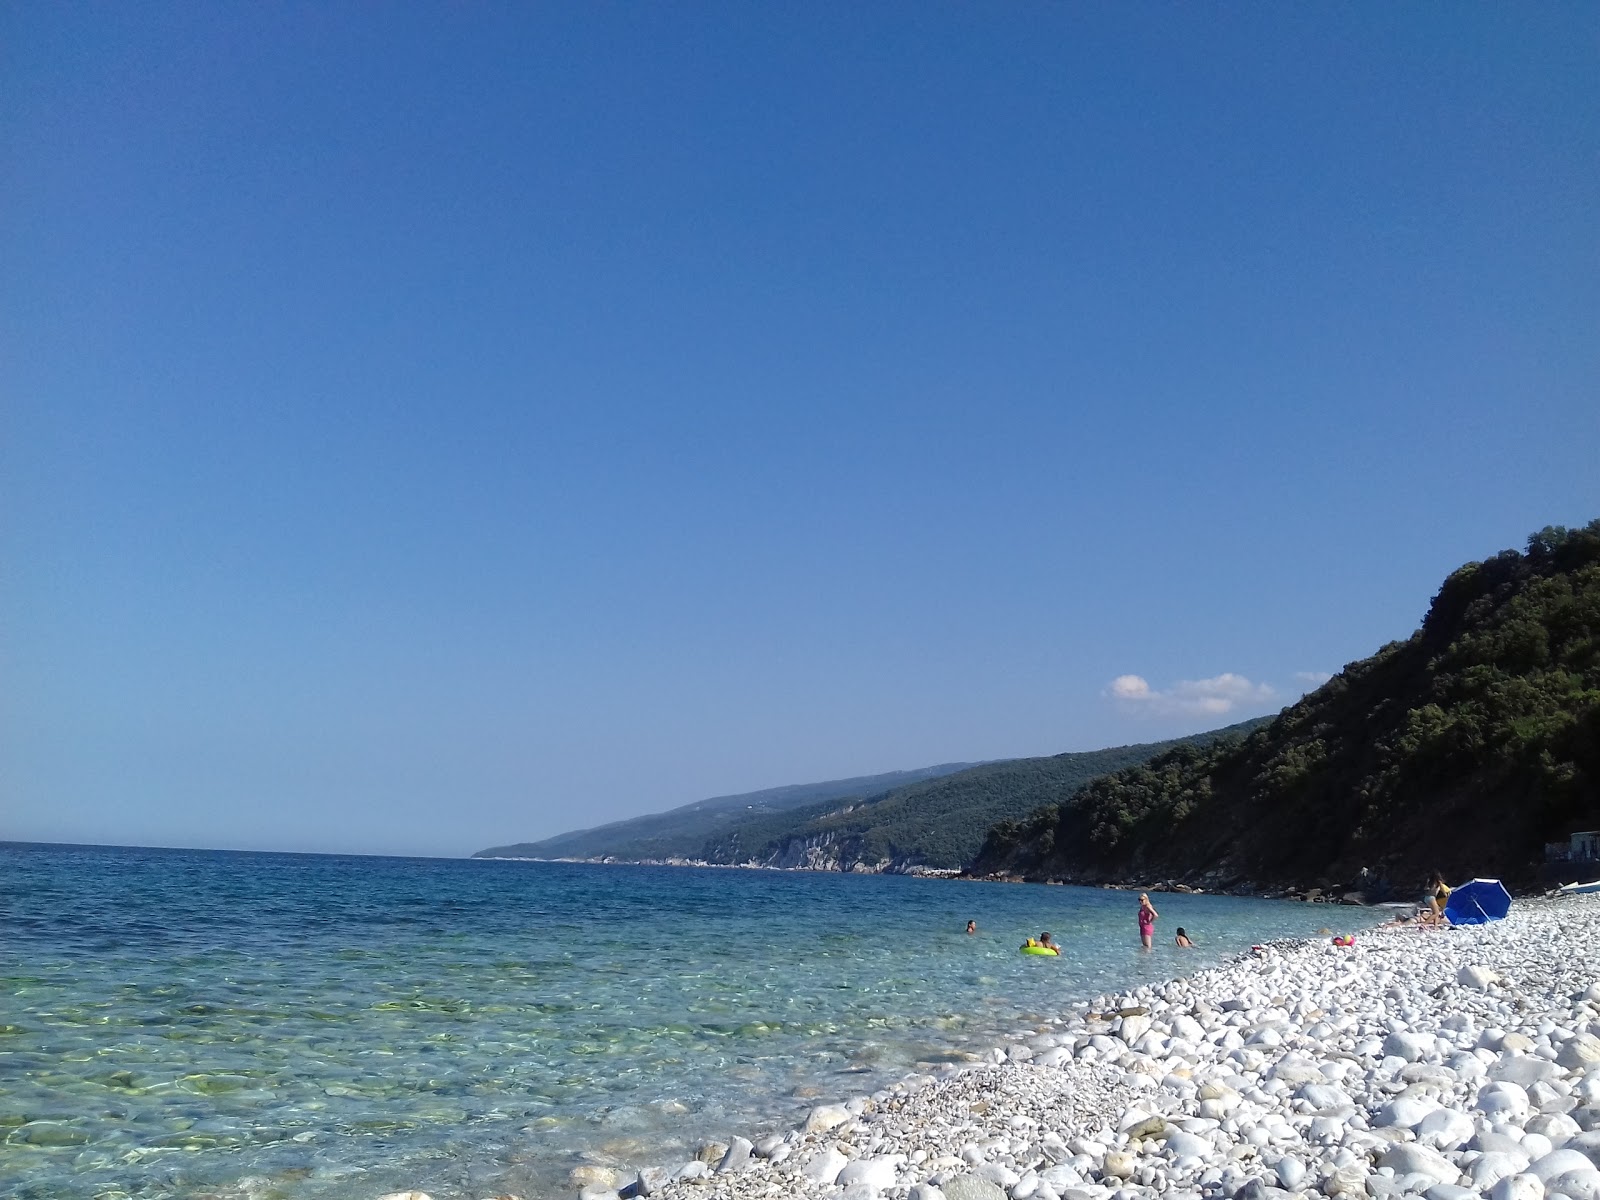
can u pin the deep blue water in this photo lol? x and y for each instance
(177, 1021)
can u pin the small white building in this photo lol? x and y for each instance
(1584, 846)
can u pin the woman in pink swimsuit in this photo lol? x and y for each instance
(1147, 921)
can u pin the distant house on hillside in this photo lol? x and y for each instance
(1583, 846)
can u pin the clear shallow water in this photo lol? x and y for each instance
(173, 1022)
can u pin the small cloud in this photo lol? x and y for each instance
(1129, 687)
(1215, 697)
(1312, 679)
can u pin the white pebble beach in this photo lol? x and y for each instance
(1440, 1062)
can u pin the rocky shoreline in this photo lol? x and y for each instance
(1446, 1063)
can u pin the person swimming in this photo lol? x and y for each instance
(1182, 938)
(1044, 940)
(972, 927)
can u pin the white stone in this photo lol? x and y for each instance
(825, 1117)
(1586, 1143)
(1558, 1127)
(1576, 1185)
(1180, 1144)
(1409, 1158)
(926, 1191)
(1579, 1054)
(874, 1172)
(1503, 1100)
(1133, 1027)
(824, 1166)
(1559, 1162)
(1524, 1070)
(997, 1173)
(1348, 1180)
(1477, 977)
(737, 1157)
(1405, 1112)
(1446, 1129)
(1322, 1096)
(1291, 1172)
(405, 1196)
(1061, 1177)
(1517, 1187)
(1188, 1029)
(1117, 1165)
(970, 1187)
(1495, 1165)
(1326, 1129)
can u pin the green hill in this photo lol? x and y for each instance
(682, 832)
(933, 823)
(1463, 748)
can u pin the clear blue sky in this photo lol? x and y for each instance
(429, 426)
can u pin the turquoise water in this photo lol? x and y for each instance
(175, 1022)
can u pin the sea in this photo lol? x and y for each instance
(185, 1023)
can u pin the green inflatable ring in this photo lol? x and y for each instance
(1039, 950)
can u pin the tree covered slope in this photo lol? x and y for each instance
(1463, 748)
(682, 832)
(933, 823)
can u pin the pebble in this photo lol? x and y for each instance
(970, 1187)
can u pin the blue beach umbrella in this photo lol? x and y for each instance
(1478, 902)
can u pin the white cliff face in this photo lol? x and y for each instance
(823, 852)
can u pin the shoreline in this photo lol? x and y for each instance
(1236, 887)
(1450, 1063)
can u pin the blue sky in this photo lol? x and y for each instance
(434, 426)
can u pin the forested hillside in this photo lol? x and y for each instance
(682, 832)
(934, 823)
(1463, 748)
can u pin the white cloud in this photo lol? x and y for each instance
(1312, 679)
(1215, 697)
(1129, 687)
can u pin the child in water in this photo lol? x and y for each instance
(1183, 938)
(972, 927)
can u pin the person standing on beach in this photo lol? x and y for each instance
(1438, 897)
(1147, 921)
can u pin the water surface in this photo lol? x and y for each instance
(176, 1022)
